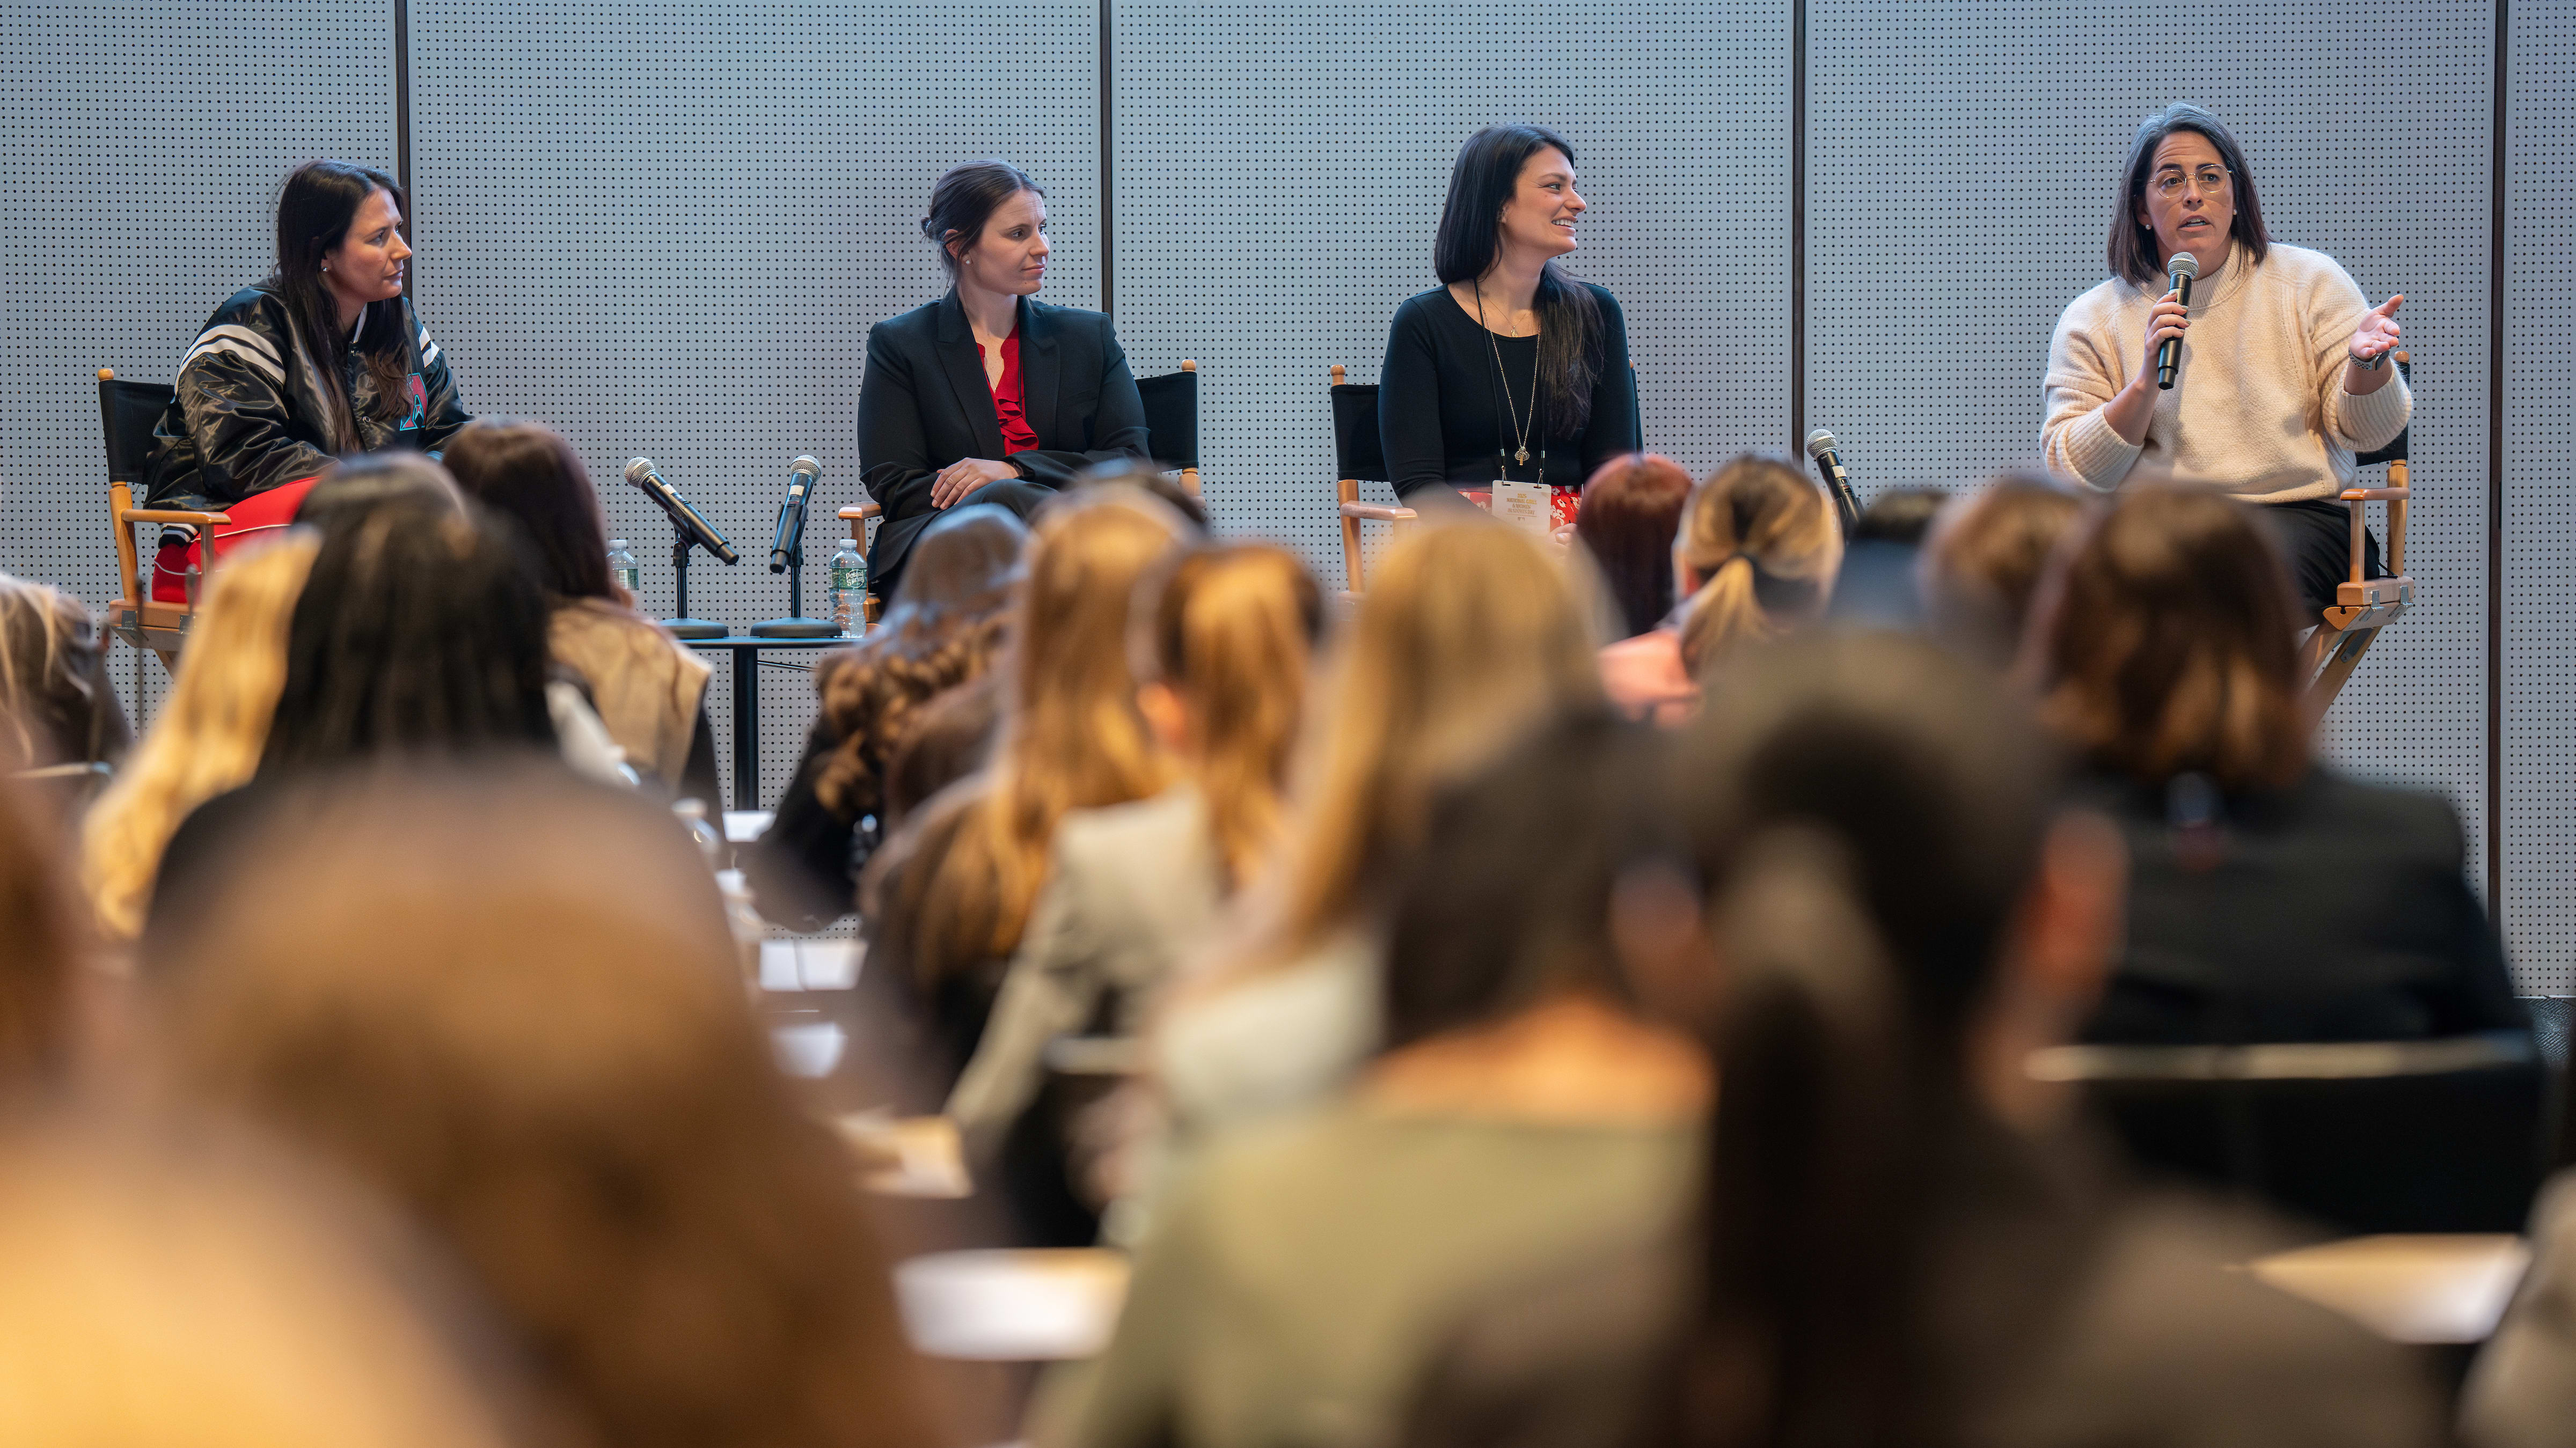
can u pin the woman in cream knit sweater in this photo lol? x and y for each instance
(2284, 362)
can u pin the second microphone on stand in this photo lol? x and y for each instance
(787, 555)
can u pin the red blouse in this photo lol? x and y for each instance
(1010, 400)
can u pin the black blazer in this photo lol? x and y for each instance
(924, 403)
(2329, 911)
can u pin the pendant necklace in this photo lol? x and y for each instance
(1511, 410)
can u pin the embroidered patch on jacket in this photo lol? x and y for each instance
(419, 404)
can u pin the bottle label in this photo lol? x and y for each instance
(629, 579)
(849, 579)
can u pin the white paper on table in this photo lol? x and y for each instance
(1526, 506)
(778, 966)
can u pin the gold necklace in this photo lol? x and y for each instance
(1511, 409)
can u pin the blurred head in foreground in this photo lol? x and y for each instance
(188, 1293)
(41, 946)
(1757, 554)
(1632, 507)
(1980, 569)
(508, 999)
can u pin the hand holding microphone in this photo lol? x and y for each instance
(2171, 317)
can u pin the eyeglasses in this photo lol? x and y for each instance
(2208, 181)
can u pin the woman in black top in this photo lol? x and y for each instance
(987, 395)
(1510, 369)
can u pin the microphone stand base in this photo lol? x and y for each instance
(795, 628)
(695, 628)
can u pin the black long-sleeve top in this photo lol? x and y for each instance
(1440, 405)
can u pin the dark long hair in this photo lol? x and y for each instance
(2133, 253)
(1632, 507)
(1470, 239)
(314, 213)
(528, 473)
(421, 630)
(965, 198)
(1870, 810)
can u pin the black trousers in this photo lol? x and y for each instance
(2315, 539)
(1017, 496)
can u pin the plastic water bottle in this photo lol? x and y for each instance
(850, 589)
(623, 568)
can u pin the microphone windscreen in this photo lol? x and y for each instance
(1819, 443)
(638, 470)
(2184, 264)
(807, 467)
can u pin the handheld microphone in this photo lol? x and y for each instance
(2179, 273)
(696, 529)
(802, 474)
(1821, 447)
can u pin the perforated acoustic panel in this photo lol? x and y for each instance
(1963, 166)
(1279, 174)
(665, 228)
(2540, 495)
(141, 150)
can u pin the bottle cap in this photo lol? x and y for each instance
(616, 543)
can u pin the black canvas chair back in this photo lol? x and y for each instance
(2408, 1136)
(128, 411)
(1358, 453)
(1172, 417)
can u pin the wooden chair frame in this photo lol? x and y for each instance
(135, 616)
(1353, 512)
(2363, 606)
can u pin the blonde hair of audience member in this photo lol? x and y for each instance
(2167, 644)
(1232, 636)
(1070, 739)
(210, 733)
(1756, 525)
(1981, 567)
(563, 1082)
(165, 1292)
(1469, 635)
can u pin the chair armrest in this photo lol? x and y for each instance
(861, 513)
(1378, 512)
(2363, 495)
(174, 515)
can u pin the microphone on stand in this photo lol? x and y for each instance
(1821, 447)
(683, 517)
(2178, 275)
(802, 474)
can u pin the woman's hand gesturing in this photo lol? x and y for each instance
(2376, 333)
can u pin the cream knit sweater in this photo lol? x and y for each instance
(2258, 409)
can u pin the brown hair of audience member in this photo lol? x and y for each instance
(2167, 644)
(1632, 507)
(1901, 516)
(563, 1082)
(1982, 565)
(527, 472)
(59, 707)
(44, 944)
(1762, 540)
(1151, 478)
(1232, 634)
(175, 1287)
(1469, 635)
(1870, 812)
(211, 730)
(944, 629)
(1070, 736)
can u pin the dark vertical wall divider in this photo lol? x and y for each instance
(668, 229)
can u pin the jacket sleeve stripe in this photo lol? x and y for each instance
(259, 363)
(246, 336)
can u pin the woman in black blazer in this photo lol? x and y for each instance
(987, 395)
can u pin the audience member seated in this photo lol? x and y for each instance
(1981, 567)
(1756, 557)
(531, 1033)
(361, 485)
(211, 730)
(2270, 897)
(1131, 887)
(1878, 588)
(172, 1287)
(1160, 482)
(1901, 1242)
(1522, 1117)
(943, 631)
(40, 971)
(649, 689)
(419, 632)
(1630, 511)
(1471, 634)
(947, 899)
(58, 709)
(1902, 516)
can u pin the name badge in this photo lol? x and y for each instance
(1528, 506)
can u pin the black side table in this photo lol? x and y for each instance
(746, 703)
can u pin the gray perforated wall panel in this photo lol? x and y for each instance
(2540, 495)
(666, 228)
(1963, 164)
(141, 149)
(1279, 170)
